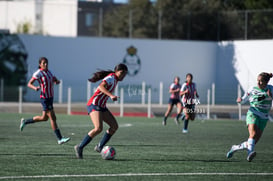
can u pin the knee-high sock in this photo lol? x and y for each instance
(242, 146)
(186, 123)
(251, 145)
(58, 133)
(85, 141)
(106, 137)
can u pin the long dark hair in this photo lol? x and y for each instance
(40, 61)
(266, 76)
(103, 73)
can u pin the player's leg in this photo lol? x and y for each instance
(186, 121)
(109, 119)
(167, 113)
(179, 110)
(53, 122)
(35, 119)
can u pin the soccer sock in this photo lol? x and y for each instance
(240, 147)
(85, 141)
(251, 145)
(177, 116)
(186, 123)
(29, 121)
(165, 118)
(182, 116)
(58, 133)
(106, 137)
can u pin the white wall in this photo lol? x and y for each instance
(224, 63)
(75, 59)
(250, 59)
(59, 16)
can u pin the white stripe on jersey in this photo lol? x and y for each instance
(46, 80)
(100, 98)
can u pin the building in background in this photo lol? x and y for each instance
(46, 17)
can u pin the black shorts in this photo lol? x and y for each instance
(190, 108)
(174, 101)
(93, 107)
(47, 103)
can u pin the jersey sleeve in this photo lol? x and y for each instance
(108, 79)
(184, 87)
(36, 75)
(172, 86)
(246, 96)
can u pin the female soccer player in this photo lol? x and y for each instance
(46, 82)
(260, 98)
(189, 95)
(97, 109)
(174, 100)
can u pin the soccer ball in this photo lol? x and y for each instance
(108, 153)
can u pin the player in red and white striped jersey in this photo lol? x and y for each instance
(175, 99)
(97, 110)
(189, 99)
(46, 81)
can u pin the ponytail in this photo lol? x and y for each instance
(266, 76)
(103, 73)
(100, 75)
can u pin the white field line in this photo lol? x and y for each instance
(138, 174)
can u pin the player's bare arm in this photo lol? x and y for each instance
(30, 85)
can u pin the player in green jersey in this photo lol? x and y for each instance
(260, 98)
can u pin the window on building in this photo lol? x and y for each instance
(88, 19)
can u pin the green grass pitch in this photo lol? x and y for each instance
(146, 150)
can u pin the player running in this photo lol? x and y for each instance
(46, 80)
(189, 99)
(97, 109)
(174, 100)
(260, 98)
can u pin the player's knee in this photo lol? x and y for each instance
(98, 130)
(44, 118)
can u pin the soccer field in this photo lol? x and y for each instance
(146, 150)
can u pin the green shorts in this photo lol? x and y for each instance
(254, 119)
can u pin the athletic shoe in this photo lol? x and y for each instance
(97, 148)
(185, 131)
(78, 151)
(63, 140)
(176, 121)
(230, 152)
(250, 156)
(164, 123)
(22, 124)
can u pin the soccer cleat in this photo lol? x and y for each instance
(78, 151)
(176, 121)
(250, 156)
(164, 123)
(230, 152)
(97, 148)
(185, 131)
(22, 124)
(63, 140)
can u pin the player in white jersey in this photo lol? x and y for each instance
(174, 100)
(46, 81)
(189, 99)
(97, 109)
(260, 98)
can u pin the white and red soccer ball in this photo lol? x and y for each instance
(108, 153)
